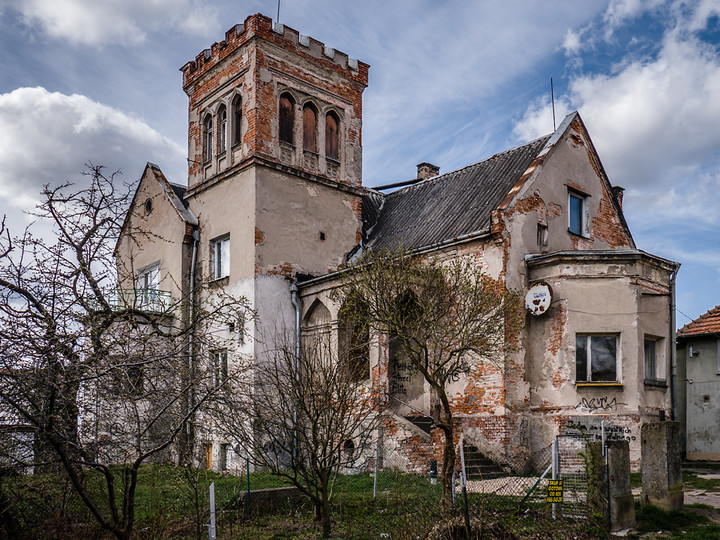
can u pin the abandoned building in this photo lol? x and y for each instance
(274, 201)
(698, 371)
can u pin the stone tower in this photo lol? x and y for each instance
(275, 157)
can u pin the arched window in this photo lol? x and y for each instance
(287, 118)
(354, 338)
(222, 131)
(207, 138)
(331, 136)
(309, 128)
(237, 120)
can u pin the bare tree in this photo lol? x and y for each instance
(309, 417)
(95, 372)
(443, 316)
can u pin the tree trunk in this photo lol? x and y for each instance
(448, 468)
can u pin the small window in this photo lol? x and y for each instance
(222, 116)
(148, 207)
(542, 235)
(654, 361)
(650, 360)
(596, 358)
(219, 365)
(309, 128)
(237, 121)
(220, 257)
(331, 136)
(287, 118)
(577, 214)
(223, 457)
(207, 139)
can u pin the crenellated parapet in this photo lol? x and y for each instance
(259, 25)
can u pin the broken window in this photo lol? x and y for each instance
(207, 138)
(578, 213)
(542, 234)
(287, 118)
(237, 120)
(309, 128)
(220, 257)
(596, 358)
(331, 136)
(222, 130)
(219, 365)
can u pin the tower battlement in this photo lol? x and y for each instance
(259, 25)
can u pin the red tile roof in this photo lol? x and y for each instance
(709, 323)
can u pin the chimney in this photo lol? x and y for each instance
(426, 170)
(618, 192)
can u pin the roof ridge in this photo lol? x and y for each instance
(426, 181)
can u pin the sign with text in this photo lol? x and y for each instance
(555, 491)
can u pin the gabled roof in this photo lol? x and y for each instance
(446, 206)
(459, 204)
(707, 324)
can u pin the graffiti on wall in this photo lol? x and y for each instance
(591, 428)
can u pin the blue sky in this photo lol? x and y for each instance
(451, 82)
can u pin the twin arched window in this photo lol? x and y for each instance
(310, 127)
(208, 148)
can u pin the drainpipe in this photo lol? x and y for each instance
(296, 304)
(191, 343)
(673, 352)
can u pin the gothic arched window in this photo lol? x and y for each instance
(287, 118)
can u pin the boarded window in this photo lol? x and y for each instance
(207, 138)
(309, 128)
(237, 121)
(331, 136)
(287, 119)
(222, 131)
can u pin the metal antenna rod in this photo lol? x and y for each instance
(552, 96)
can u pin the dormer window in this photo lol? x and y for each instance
(222, 131)
(207, 138)
(309, 128)
(331, 136)
(287, 118)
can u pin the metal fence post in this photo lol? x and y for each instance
(463, 483)
(211, 527)
(247, 475)
(375, 476)
(554, 461)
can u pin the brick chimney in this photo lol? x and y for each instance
(617, 191)
(426, 170)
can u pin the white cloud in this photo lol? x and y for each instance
(655, 125)
(621, 11)
(47, 137)
(572, 44)
(93, 22)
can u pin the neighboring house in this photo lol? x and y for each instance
(698, 362)
(275, 201)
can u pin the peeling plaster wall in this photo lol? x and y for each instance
(606, 296)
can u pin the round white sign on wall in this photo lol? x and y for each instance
(538, 298)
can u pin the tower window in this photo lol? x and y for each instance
(331, 136)
(309, 128)
(207, 138)
(287, 118)
(222, 115)
(237, 120)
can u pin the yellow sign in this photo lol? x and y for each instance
(555, 491)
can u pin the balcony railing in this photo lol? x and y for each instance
(151, 300)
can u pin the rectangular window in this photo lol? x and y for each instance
(577, 214)
(146, 287)
(654, 361)
(542, 234)
(596, 358)
(223, 457)
(650, 360)
(219, 362)
(220, 257)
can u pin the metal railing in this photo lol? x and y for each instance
(152, 300)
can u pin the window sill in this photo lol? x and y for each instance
(578, 234)
(220, 282)
(656, 383)
(598, 384)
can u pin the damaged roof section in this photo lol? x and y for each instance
(448, 206)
